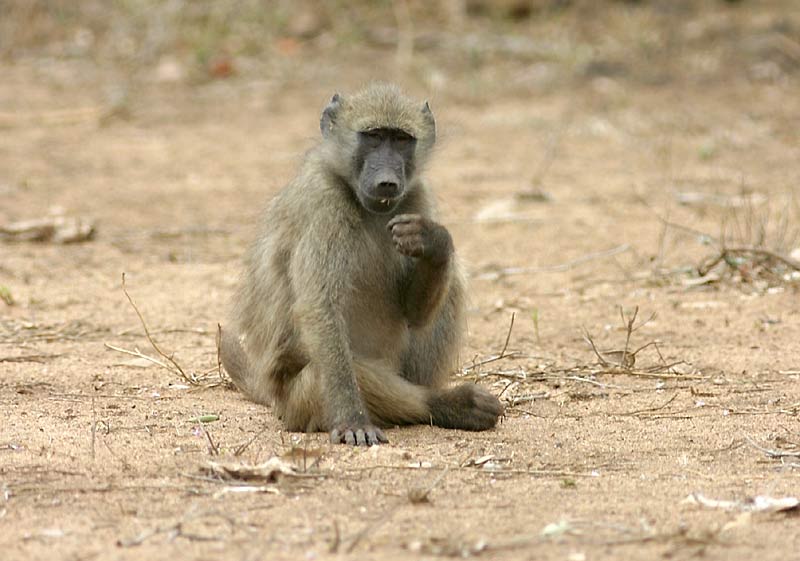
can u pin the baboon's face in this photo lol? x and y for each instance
(384, 162)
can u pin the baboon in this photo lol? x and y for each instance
(351, 308)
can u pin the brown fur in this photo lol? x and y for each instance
(334, 323)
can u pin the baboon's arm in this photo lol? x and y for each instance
(319, 279)
(428, 279)
(323, 335)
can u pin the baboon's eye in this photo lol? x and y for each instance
(403, 139)
(372, 137)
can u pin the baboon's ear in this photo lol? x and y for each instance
(328, 118)
(428, 115)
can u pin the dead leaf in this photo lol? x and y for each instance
(534, 194)
(56, 229)
(623, 359)
(759, 503)
(287, 46)
(269, 471)
(482, 460)
(449, 546)
(710, 278)
(221, 66)
(500, 209)
(743, 520)
(703, 305)
(244, 489)
(696, 198)
(557, 529)
(298, 454)
(419, 495)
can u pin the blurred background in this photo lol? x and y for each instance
(182, 114)
(145, 113)
(468, 49)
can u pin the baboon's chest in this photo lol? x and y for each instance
(374, 313)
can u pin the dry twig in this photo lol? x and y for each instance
(239, 450)
(493, 358)
(773, 453)
(40, 358)
(728, 252)
(190, 379)
(625, 359)
(137, 354)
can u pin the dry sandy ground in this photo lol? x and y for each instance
(100, 457)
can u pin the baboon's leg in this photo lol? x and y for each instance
(390, 399)
(467, 407)
(431, 357)
(432, 354)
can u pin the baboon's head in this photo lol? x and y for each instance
(377, 140)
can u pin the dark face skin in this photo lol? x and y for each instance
(384, 161)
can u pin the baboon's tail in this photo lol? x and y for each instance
(234, 359)
(390, 398)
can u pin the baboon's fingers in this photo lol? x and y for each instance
(375, 436)
(368, 436)
(361, 438)
(403, 219)
(409, 241)
(345, 436)
(412, 245)
(411, 249)
(378, 436)
(407, 229)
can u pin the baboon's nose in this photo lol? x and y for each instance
(387, 190)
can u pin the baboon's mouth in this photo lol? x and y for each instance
(381, 204)
(384, 200)
(388, 202)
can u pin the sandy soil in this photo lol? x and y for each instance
(100, 457)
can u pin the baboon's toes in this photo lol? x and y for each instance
(368, 435)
